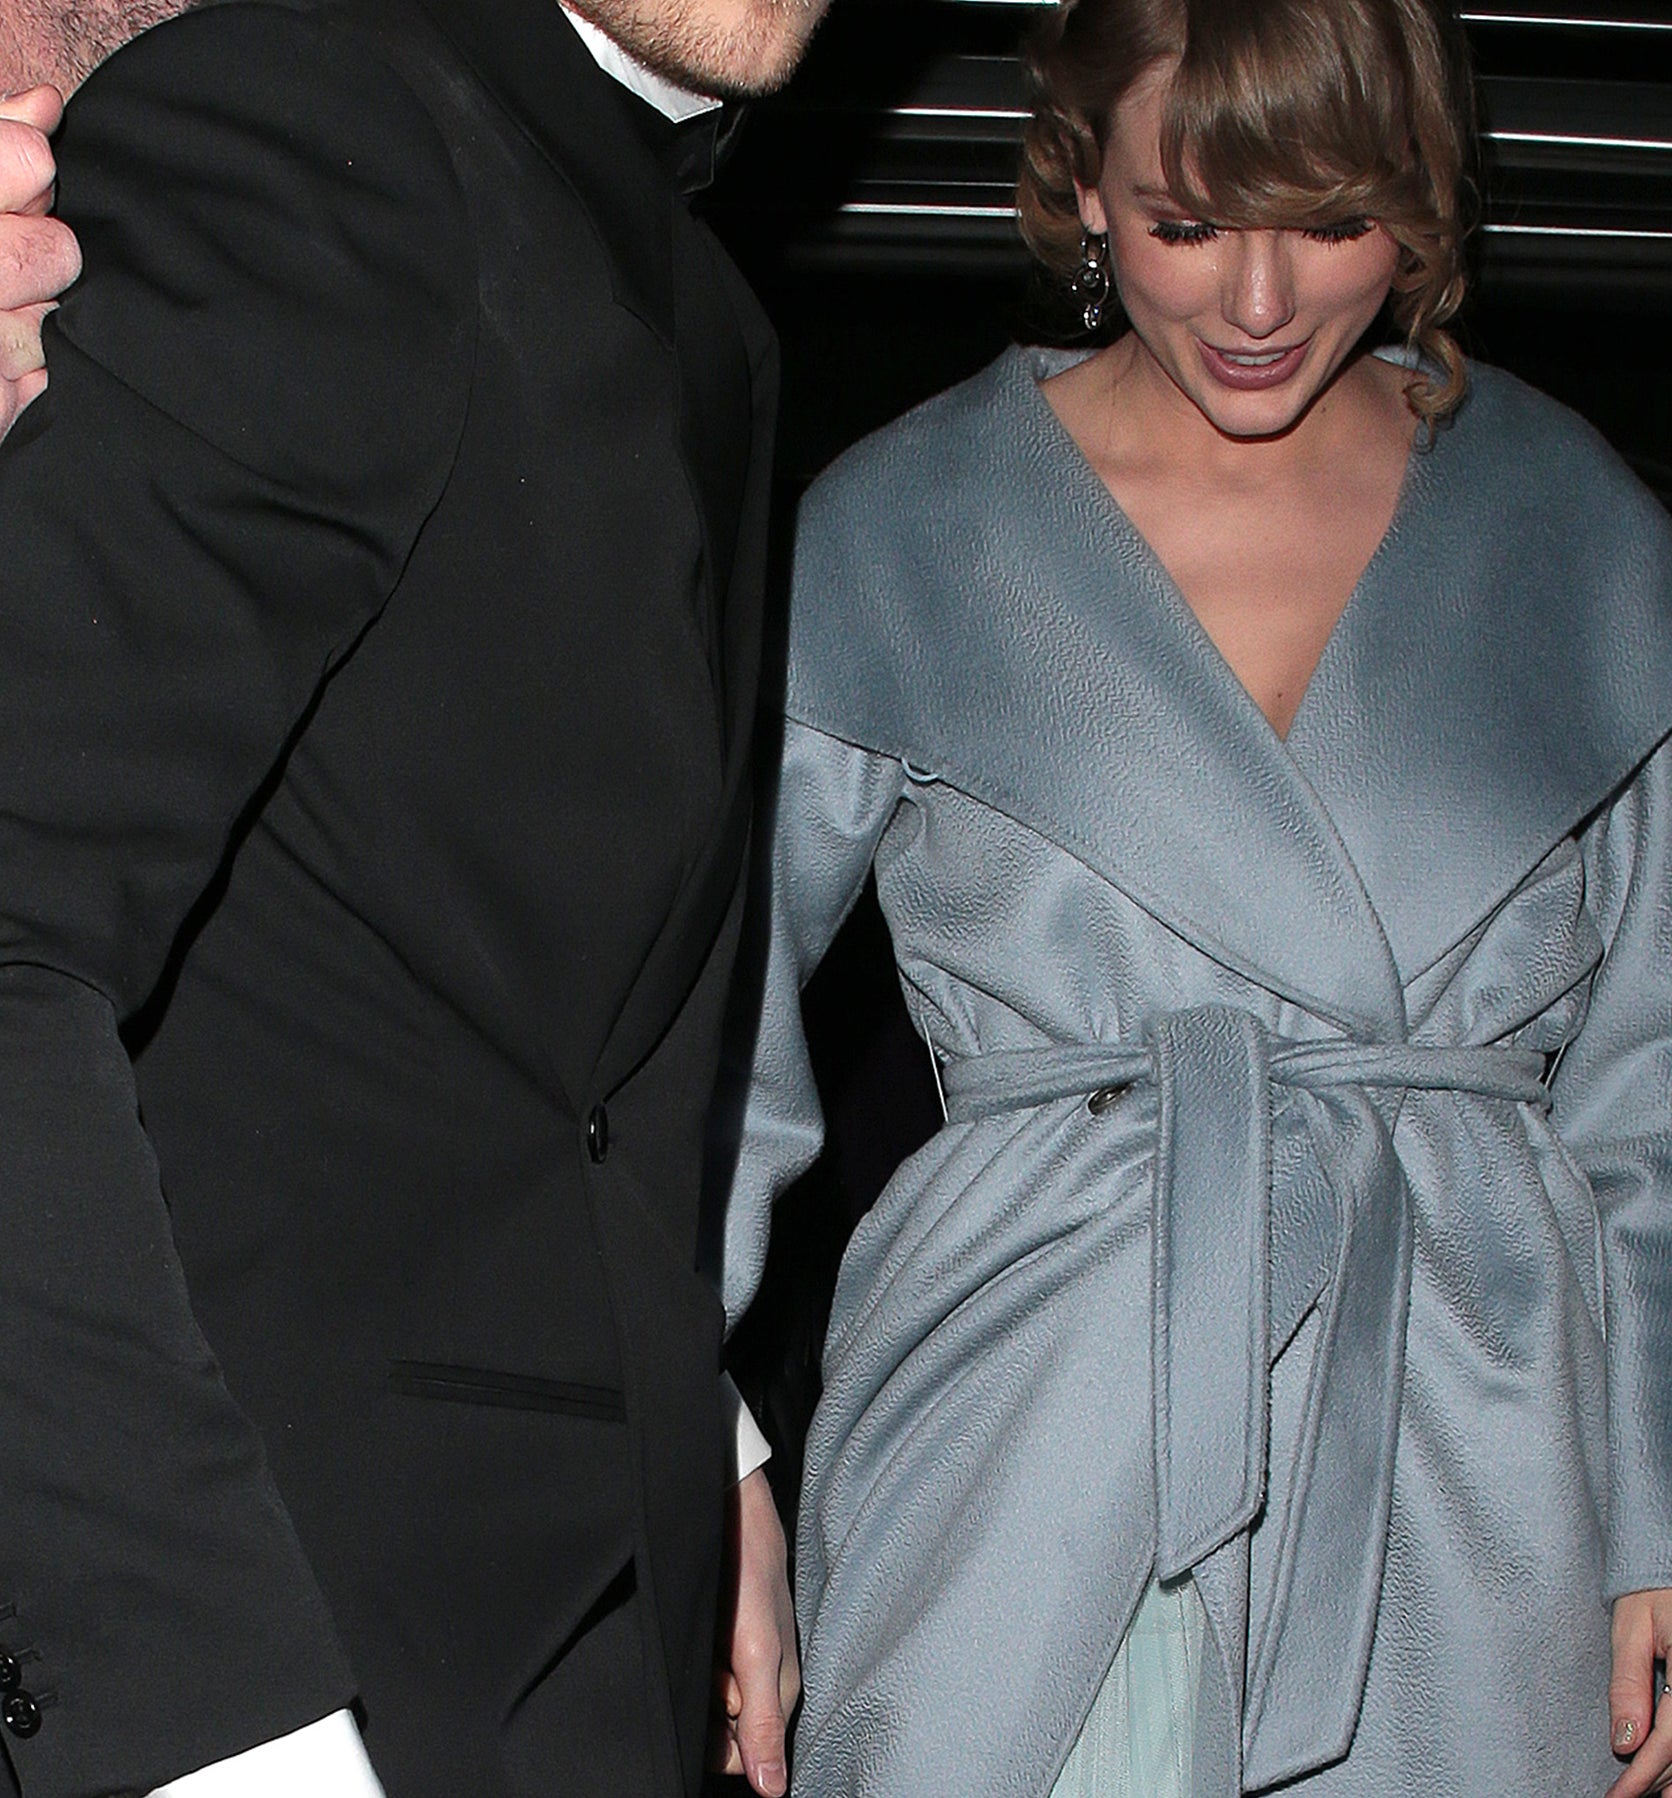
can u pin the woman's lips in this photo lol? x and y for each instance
(1248, 371)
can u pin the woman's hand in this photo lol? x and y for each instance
(39, 257)
(759, 1676)
(1641, 1732)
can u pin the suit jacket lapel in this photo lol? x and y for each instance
(716, 417)
(583, 122)
(611, 149)
(713, 883)
(666, 270)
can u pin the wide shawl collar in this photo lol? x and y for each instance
(970, 600)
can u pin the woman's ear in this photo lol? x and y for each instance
(1092, 215)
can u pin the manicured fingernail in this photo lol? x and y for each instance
(1625, 1733)
(772, 1778)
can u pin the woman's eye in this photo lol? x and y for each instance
(1183, 231)
(1342, 231)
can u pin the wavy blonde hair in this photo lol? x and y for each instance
(1279, 113)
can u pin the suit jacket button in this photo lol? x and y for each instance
(598, 1133)
(11, 1674)
(21, 1713)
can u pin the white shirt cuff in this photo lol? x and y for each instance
(750, 1449)
(325, 1759)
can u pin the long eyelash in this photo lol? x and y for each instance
(1183, 231)
(1343, 231)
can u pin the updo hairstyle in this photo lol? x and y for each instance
(1292, 113)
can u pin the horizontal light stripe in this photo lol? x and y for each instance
(1533, 18)
(1469, 18)
(922, 209)
(1573, 141)
(1590, 231)
(959, 112)
(904, 209)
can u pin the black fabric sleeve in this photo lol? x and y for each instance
(256, 393)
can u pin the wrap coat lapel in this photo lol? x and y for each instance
(1092, 708)
(1457, 725)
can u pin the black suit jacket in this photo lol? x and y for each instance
(378, 646)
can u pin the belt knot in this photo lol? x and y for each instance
(1216, 1257)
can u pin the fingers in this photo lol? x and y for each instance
(1640, 1727)
(15, 395)
(724, 1755)
(1631, 1684)
(41, 107)
(756, 1747)
(20, 342)
(39, 258)
(759, 1679)
(762, 1721)
(1650, 1769)
(27, 170)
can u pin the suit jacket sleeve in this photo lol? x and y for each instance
(1613, 1109)
(255, 396)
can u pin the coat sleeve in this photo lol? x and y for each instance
(255, 395)
(833, 804)
(1612, 1106)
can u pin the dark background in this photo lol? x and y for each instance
(869, 205)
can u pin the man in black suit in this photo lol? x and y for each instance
(377, 657)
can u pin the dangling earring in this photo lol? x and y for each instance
(1091, 279)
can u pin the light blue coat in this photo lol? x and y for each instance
(1351, 1291)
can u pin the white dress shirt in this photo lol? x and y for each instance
(669, 99)
(327, 1759)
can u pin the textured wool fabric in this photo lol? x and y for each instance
(1315, 1306)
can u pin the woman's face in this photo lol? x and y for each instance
(1250, 326)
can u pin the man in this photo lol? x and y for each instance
(379, 651)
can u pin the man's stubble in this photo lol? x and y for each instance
(727, 47)
(730, 47)
(64, 41)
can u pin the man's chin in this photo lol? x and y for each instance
(745, 78)
(733, 49)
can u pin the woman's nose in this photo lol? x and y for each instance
(1258, 295)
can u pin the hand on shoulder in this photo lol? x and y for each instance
(280, 259)
(39, 256)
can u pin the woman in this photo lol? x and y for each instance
(1257, 741)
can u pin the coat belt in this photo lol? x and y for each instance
(1232, 1249)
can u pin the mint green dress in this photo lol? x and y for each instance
(1135, 1742)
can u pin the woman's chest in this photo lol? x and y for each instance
(1267, 574)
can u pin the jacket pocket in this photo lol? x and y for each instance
(514, 1391)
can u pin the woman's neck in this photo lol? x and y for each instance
(1131, 414)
